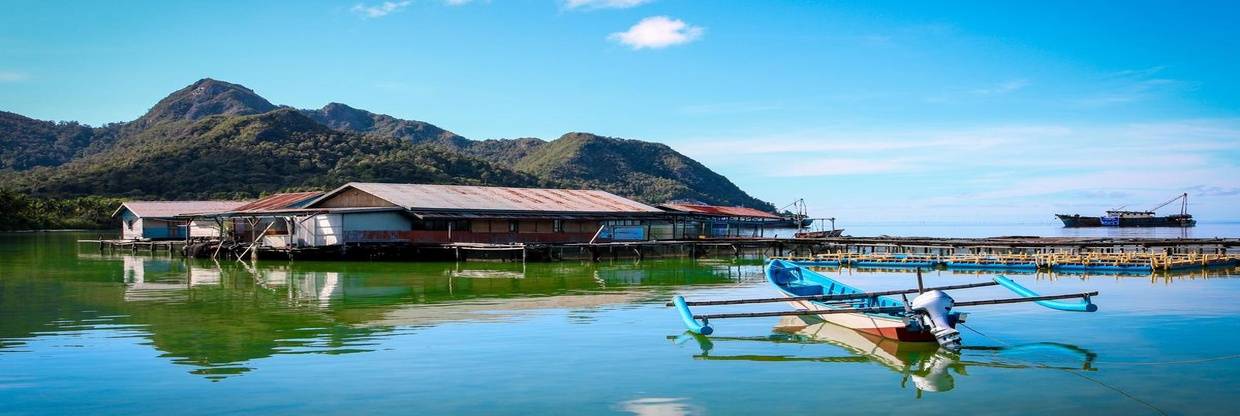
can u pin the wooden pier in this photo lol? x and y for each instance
(1062, 262)
(138, 246)
(1161, 252)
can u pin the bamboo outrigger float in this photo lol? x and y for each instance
(929, 317)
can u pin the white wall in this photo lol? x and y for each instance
(319, 230)
(131, 233)
(203, 228)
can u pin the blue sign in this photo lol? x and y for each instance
(1110, 221)
(624, 233)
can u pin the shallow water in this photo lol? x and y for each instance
(82, 332)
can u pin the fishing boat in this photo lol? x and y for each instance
(929, 317)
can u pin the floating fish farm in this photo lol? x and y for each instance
(1058, 262)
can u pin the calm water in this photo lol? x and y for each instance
(82, 333)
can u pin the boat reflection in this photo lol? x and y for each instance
(926, 366)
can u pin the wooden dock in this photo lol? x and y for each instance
(1161, 252)
(136, 246)
(1060, 262)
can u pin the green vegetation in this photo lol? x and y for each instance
(215, 140)
(23, 212)
(245, 156)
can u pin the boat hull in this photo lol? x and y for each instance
(820, 234)
(1077, 221)
(871, 324)
(793, 280)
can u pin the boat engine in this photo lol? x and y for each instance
(933, 307)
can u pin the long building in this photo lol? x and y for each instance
(360, 213)
(163, 220)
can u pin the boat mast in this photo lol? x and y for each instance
(1183, 203)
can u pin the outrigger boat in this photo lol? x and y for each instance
(929, 317)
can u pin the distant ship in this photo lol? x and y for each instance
(1120, 218)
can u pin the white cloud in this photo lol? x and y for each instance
(1003, 88)
(603, 4)
(10, 76)
(457, 2)
(840, 166)
(658, 32)
(738, 107)
(1129, 86)
(1016, 171)
(380, 10)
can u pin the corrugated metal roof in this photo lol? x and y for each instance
(280, 201)
(169, 209)
(541, 215)
(494, 198)
(721, 211)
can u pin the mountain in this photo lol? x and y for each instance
(342, 117)
(503, 151)
(243, 156)
(650, 171)
(207, 97)
(214, 139)
(27, 143)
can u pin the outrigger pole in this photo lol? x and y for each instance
(700, 324)
(821, 298)
(888, 309)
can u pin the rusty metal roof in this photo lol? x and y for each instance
(418, 197)
(280, 201)
(720, 211)
(169, 209)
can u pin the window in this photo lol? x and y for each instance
(513, 226)
(557, 226)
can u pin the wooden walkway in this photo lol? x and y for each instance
(134, 246)
(732, 247)
(1063, 262)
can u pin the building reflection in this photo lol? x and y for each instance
(221, 318)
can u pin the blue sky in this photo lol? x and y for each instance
(871, 111)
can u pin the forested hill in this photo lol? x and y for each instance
(214, 139)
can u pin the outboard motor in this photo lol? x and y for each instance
(933, 306)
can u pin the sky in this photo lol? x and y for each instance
(869, 110)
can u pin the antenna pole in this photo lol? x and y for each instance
(921, 288)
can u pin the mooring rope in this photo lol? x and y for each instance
(1075, 373)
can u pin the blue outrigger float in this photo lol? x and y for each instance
(928, 317)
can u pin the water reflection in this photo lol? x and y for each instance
(925, 366)
(220, 317)
(660, 406)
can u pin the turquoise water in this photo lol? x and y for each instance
(84, 333)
